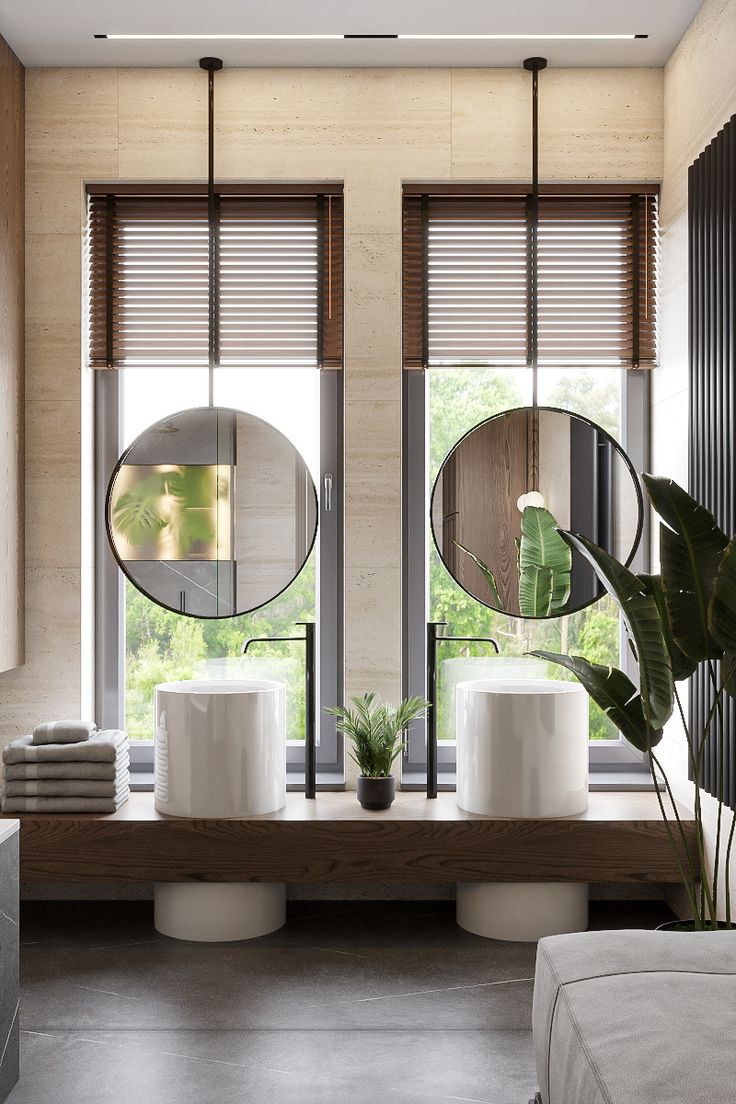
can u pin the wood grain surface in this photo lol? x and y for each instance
(621, 838)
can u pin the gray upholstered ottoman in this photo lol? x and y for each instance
(633, 1017)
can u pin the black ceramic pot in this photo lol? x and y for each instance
(376, 793)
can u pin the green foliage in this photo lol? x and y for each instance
(460, 399)
(376, 731)
(676, 622)
(545, 563)
(137, 514)
(536, 587)
(691, 550)
(592, 395)
(181, 500)
(644, 626)
(615, 694)
(722, 622)
(682, 665)
(721, 619)
(494, 597)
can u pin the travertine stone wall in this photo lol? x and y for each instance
(12, 198)
(370, 128)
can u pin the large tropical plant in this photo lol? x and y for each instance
(676, 620)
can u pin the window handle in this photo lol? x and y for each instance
(328, 492)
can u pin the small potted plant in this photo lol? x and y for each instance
(376, 731)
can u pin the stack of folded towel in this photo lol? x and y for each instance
(67, 767)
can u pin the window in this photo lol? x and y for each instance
(279, 337)
(467, 355)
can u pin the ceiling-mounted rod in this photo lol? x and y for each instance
(533, 65)
(212, 65)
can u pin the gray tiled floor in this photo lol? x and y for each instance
(371, 1003)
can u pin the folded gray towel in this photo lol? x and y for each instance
(103, 772)
(63, 804)
(102, 747)
(63, 732)
(68, 787)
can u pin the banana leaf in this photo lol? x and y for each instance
(536, 592)
(722, 608)
(682, 666)
(722, 615)
(616, 695)
(542, 546)
(691, 549)
(487, 573)
(644, 626)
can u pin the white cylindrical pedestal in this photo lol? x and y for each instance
(218, 912)
(522, 911)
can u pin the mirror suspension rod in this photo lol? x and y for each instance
(310, 682)
(212, 65)
(434, 639)
(534, 65)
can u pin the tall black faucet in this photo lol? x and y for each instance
(433, 640)
(310, 745)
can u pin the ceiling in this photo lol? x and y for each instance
(61, 32)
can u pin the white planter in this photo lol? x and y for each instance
(220, 748)
(522, 748)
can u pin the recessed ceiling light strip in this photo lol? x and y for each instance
(415, 37)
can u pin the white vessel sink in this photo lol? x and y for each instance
(220, 748)
(522, 747)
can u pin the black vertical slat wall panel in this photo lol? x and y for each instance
(712, 317)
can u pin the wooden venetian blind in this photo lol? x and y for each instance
(469, 293)
(279, 280)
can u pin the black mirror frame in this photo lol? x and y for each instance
(121, 564)
(586, 421)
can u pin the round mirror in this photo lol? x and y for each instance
(211, 512)
(506, 487)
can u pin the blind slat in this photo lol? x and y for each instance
(280, 280)
(593, 259)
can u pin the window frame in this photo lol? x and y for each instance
(110, 585)
(606, 756)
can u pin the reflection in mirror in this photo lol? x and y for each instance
(211, 512)
(506, 487)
